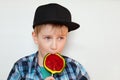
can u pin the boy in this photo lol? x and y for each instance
(52, 23)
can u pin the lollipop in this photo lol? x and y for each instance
(54, 63)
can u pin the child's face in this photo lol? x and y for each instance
(51, 39)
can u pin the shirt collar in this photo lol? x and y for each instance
(35, 61)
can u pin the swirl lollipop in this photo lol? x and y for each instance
(54, 63)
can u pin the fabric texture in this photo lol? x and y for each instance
(44, 72)
(27, 68)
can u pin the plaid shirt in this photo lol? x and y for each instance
(27, 68)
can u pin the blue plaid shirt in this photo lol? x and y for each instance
(27, 68)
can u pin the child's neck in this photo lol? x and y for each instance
(40, 59)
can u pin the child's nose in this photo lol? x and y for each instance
(54, 45)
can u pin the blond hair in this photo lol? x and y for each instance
(38, 28)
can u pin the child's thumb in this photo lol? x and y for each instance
(50, 78)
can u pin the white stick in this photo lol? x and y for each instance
(52, 75)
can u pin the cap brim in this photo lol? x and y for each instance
(71, 25)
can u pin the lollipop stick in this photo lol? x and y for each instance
(52, 74)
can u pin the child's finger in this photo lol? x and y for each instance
(50, 78)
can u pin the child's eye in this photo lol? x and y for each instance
(47, 38)
(60, 38)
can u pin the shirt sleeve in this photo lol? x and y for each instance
(82, 74)
(14, 73)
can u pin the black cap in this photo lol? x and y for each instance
(54, 13)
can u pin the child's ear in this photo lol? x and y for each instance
(35, 38)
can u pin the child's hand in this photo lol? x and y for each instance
(50, 78)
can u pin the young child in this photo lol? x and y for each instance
(52, 23)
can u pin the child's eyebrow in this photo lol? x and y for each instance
(61, 35)
(47, 35)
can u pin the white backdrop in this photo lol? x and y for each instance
(96, 45)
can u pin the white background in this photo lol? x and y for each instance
(96, 44)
